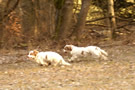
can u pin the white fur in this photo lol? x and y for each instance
(45, 58)
(87, 52)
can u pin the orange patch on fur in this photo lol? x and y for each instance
(69, 48)
(46, 57)
(82, 52)
(35, 52)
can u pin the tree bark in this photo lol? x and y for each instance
(36, 16)
(112, 21)
(82, 17)
(66, 18)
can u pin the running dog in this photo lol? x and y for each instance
(89, 51)
(48, 57)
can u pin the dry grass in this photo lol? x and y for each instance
(118, 73)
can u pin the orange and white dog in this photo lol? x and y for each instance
(85, 52)
(45, 58)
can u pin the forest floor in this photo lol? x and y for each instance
(117, 73)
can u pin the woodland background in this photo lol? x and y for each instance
(50, 25)
(26, 24)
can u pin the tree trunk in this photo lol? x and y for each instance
(67, 13)
(82, 17)
(36, 24)
(112, 21)
(58, 5)
(63, 19)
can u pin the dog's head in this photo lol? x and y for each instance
(68, 48)
(33, 54)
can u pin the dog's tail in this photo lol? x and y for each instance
(104, 54)
(65, 63)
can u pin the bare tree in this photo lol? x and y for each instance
(63, 18)
(112, 21)
(5, 12)
(82, 17)
(36, 16)
(66, 18)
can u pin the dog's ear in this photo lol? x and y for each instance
(69, 48)
(35, 52)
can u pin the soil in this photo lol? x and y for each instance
(117, 73)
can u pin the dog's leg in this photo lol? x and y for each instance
(44, 62)
(104, 57)
(72, 58)
(56, 63)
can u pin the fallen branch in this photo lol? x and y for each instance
(98, 19)
(130, 23)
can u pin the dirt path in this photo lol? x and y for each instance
(115, 74)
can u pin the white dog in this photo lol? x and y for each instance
(87, 52)
(45, 58)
